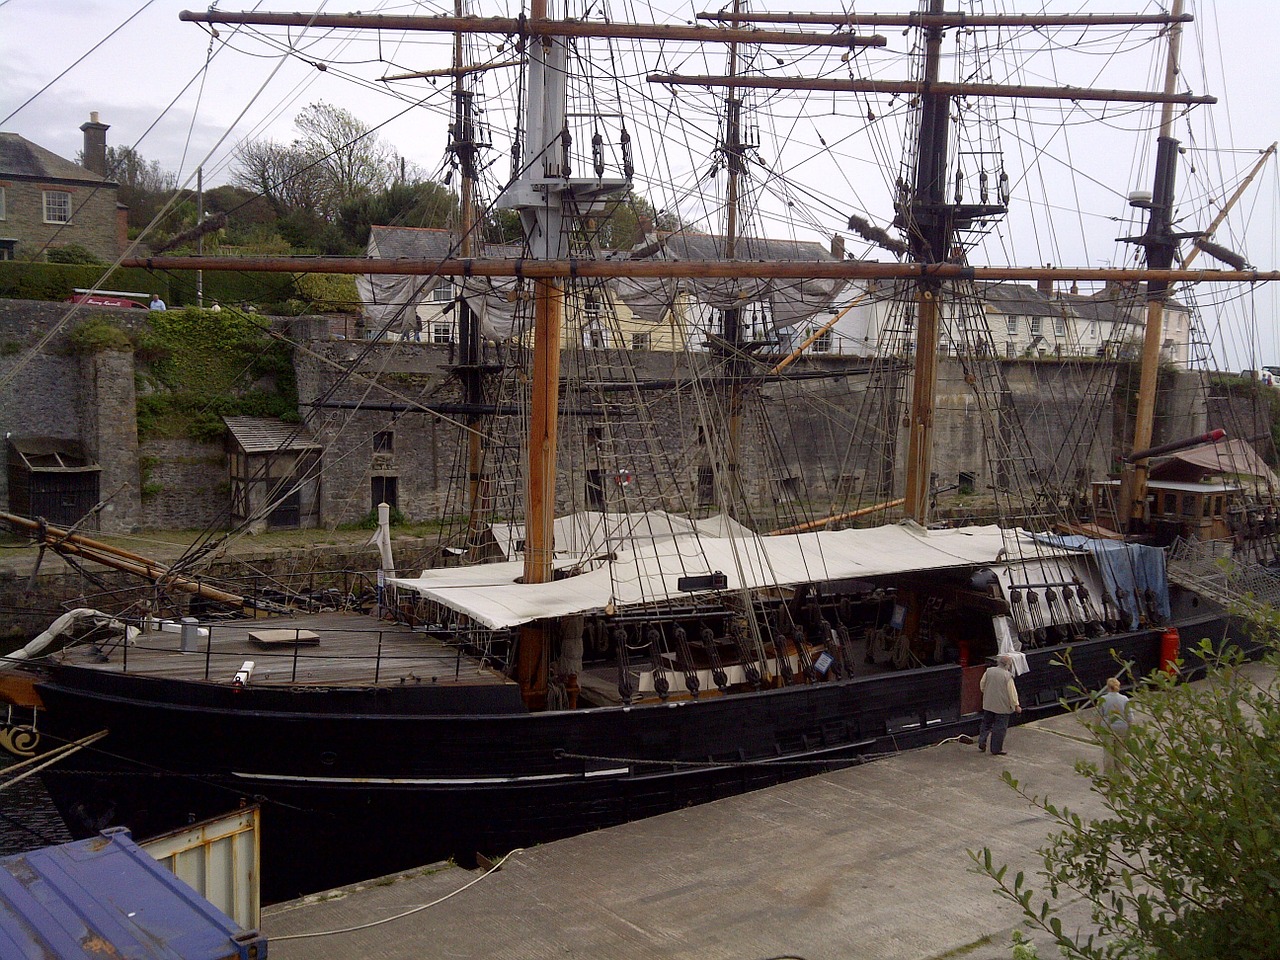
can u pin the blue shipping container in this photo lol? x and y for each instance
(107, 897)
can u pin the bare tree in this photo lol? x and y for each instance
(355, 161)
(144, 184)
(336, 160)
(285, 176)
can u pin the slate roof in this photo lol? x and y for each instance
(267, 435)
(1018, 299)
(1113, 305)
(424, 243)
(705, 246)
(20, 159)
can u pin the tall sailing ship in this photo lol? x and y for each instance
(617, 626)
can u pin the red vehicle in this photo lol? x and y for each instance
(108, 298)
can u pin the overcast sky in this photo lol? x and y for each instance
(141, 69)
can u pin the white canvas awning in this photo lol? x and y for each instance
(650, 571)
(591, 533)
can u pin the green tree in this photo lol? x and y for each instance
(246, 213)
(1185, 864)
(424, 204)
(623, 227)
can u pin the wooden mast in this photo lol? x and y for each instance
(1161, 245)
(734, 152)
(542, 219)
(541, 191)
(929, 231)
(464, 147)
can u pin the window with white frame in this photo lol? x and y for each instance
(1059, 326)
(821, 343)
(57, 206)
(1011, 325)
(641, 341)
(1034, 325)
(442, 292)
(442, 332)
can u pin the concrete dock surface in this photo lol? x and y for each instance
(866, 862)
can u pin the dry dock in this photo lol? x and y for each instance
(867, 862)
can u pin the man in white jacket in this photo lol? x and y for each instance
(999, 703)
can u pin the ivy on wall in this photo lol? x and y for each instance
(193, 367)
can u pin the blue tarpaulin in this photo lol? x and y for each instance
(1129, 570)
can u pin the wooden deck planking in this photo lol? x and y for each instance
(353, 650)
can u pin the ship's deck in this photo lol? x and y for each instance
(335, 649)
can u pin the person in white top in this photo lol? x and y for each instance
(1113, 706)
(999, 703)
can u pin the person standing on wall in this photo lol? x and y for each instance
(999, 703)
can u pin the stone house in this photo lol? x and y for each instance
(1112, 322)
(615, 315)
(1016, 321)
(1025, 321)
(423, 308)
(48, 202)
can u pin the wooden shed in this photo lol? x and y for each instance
(275, 473)
(52, 478)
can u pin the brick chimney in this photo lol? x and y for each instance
(1045, 287)
(837, 246)
(95, 144)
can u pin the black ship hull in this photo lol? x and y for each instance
(355, 783)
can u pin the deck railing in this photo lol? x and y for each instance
(304, 662)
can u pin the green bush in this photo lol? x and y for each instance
(1184, 864)
(231, 289)
(370, 522)
(97, 334)
(27, 280)
(329, 292)
(202, 366)
(73, 253)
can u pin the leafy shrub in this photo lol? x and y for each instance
(73, 253)
(370, 522)
(29, 280)
(329, 292)
(1185, 861)
(203, 366)
(231, 289)
(96, 335)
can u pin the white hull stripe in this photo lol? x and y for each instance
(431, 781)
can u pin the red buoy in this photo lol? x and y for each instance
(1170, 646)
